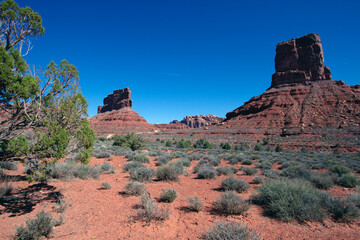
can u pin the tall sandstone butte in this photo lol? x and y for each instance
(116, 115)
(301, 96)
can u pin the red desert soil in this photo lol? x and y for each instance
(110, 214)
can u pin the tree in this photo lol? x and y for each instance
(49, 105)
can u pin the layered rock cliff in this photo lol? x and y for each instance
(198, 121)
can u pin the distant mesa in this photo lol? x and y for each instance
(301, 96)
(116, 115)
(300, 60)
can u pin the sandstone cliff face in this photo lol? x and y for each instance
(198, 121)
(300, 96)
(116, 115)
(117, 100)
(300, 60)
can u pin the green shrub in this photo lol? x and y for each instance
(107, 168)
(321, 181)
(234, 159)
(36, 228)
(271, 173)
(340, 210)
(183, 161)
(231, 204)
(279, 149)
(259, 147)
(290, 200)
(168, 143)
(206, 172)
(202, 143)
(162, 160)
(169, 172)
(340, 169)
(183, 144)
(355, 199)
(195, 204)
(230, 230)
(249, 171)
(246, 161)
(226, 170)
(142, 174)
(265, 164)
(226, 146)
(258, 180)
(69, 170)
(168, 195)
(85, 171)
(106, 185)
(130, 140)
(233, 184)
(129, 166)
(297, 172)
(348, 180)
(135, 188)
(12, 166)
(149, 210)
(102, 155)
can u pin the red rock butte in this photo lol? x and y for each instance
(116, 116)
(301, 95)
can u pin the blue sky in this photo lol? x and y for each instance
(186, 57)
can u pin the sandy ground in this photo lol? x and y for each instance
(95, 213)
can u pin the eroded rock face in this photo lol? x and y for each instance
(118, 99)
(300, 60)
(197, 121)
(172, 126)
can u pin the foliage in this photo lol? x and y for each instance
(226, 146)
(134, 188)
(107, 168)
(206, 172)
(106, 185)
(168, 195)
(195, 204)
(129, 166)
(149, 210)
(249, 171)
(5, 188)
(230, 230)
(168, 143)
(348, 180)
(130, 140)
(231, 204)
(36, 228)
(142, 174)
(226, 170)
(290, 200)
(202, 143)
(9, 165)
(183, 144)
(258, 180)
(340, 210)
(169, 172)
(233, 184)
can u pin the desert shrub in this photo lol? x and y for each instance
(85, 171)
(231, 204)
(102, 139)
(233, 184)
(149, 210)
(340, 169)
(202, 143)
(226, 170)
(168, 195)
(183, 144)
(297, 172)
(162, 160)
(348, 180)
(36, 228)
(9, 165)
(340, 210)
(106, 185)
(206, 172)
(230, 230)
(234, 159)
(290, 200)
(138, 157)
(5, 188)
(129, 166)
(321, 181)
(184, 161)
(279, 149)
(169, 172)
(134, 188)
(246, 161)
(107, 168)
(131, 140)
(259, 147)
(61, 206)
(271, 173)
(102, 154)
(355, 198)
(258, 180)
(142, 174)
(195, 204)
(265, 164)
(249, 171)
(199, 165)
(213, 160)
(198, 156)
(168, 143)
(226, 146)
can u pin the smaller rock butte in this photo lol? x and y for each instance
(118, 99)
(116, 115)
(198, 121)
(300, 60)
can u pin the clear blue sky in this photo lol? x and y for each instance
(185, 57)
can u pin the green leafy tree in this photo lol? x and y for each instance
(49, 105)
(131, 140)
